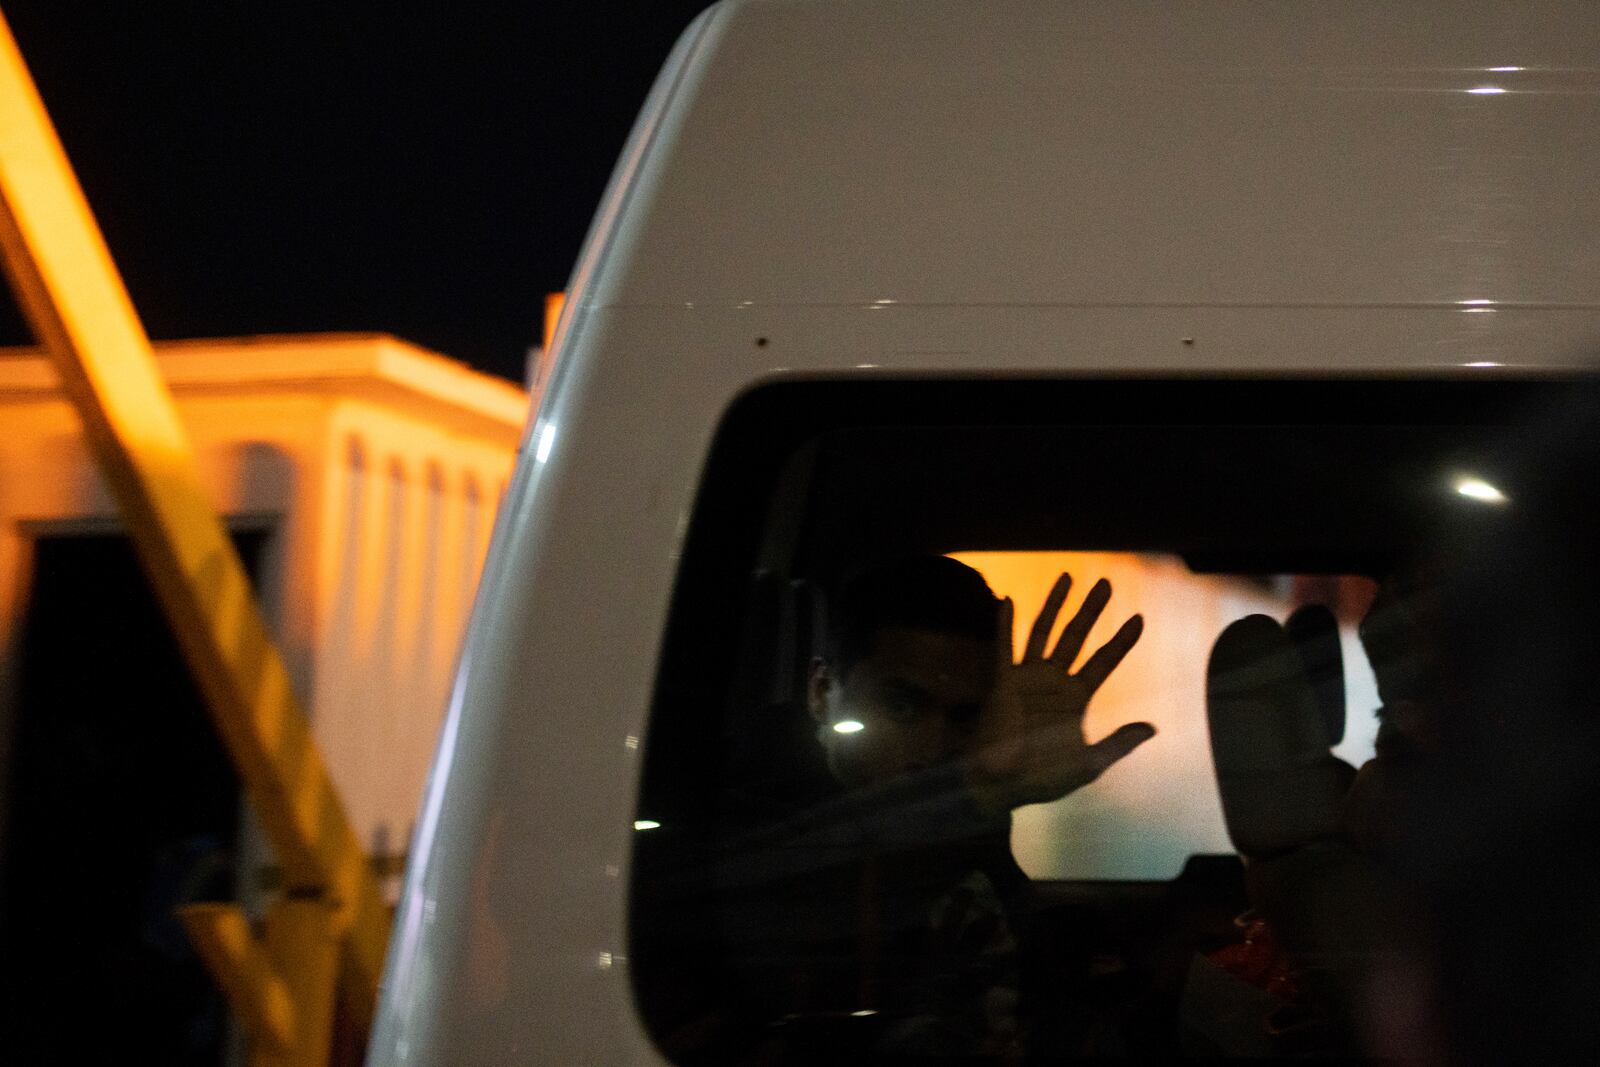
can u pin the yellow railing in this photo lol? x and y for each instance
(331, 919)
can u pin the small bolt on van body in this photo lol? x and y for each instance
(778, 736)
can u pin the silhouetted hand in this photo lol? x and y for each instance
(1030, 746)
(1275, 706)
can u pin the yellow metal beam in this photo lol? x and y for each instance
(301, 938)
(70, 290)
(553, 303)
(242, 970)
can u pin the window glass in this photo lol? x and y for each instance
(1147, 816)
(1296, 759)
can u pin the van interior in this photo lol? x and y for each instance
(1265, 488)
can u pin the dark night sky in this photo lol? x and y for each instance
(423, 169)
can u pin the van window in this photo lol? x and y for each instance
(907, 791)
(1143, 821)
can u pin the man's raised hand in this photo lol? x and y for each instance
(1030, 747)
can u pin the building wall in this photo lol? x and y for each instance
(407, 510)
(379, 491)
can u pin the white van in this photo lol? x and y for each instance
(1241, 303)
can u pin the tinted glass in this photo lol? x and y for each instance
(1310, 778)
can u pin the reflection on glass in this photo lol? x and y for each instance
(1478, 489)
(1360, 780)
(1146, 816)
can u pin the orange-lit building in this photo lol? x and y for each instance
(363, 475)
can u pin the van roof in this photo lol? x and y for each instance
(1232, 153)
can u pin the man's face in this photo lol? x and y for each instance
(916, 697)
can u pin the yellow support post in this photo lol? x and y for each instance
(553, 303)
(69, 288)
(242, 969)
(301, 936)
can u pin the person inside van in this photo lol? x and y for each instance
(917, 675)
(1437, 905)
(882, 908)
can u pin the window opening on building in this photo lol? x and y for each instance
(120, 804)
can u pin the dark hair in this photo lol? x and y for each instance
(920, 592)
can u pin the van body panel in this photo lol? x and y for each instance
(1096, 153)
(953, 190)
